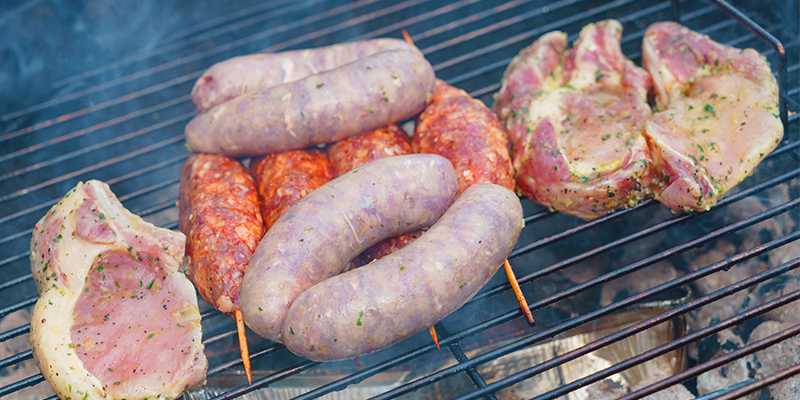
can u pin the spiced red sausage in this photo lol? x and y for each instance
(256, 72)
(355, 98)
(220, 217)
(355, 151)
(463, 130)
(284, 178)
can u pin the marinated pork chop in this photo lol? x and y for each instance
(575, 119)
(116, 318)
(719, 120)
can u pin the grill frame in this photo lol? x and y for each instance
(176, 122)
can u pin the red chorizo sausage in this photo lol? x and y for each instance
(463, 130)
(355, 151)
(219, 215)
(284, 178)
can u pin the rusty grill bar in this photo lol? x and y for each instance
(47, 147)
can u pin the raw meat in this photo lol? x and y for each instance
(575, 119)
(719, 120)
(116, 317)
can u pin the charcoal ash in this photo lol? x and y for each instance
(786, 390)
(674, 392)
(779, 356)
(637, 282)
(731, 373)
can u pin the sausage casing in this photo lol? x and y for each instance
(256, 72)
(316, 238)
(372, 307)
(355, 98)
(284, 178)
(220, 217)
(463, 130)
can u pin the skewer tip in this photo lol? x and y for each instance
(523, 304)
(407, 37)
(243, 349)
(432, 330)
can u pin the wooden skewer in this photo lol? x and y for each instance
(243, 346)
(518, 292)
(432, 330)
(407, 37)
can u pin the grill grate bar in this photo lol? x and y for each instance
(14, 332)
(22, 384)
(675, 344)
(458, 354)
(238, 361)
(634, 329)
(716, 362)
(110, 182)
(265, 381)
(594, 315)
(752, 387)
(20, 305)
(16, 358)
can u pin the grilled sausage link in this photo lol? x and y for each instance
(355, 98)
(372, 307)
(316, 238)
(353, 152)
(463, 130)
(219, 215)
(284, 178)
(257, 72)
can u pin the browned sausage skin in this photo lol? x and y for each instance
(463, 130)
(219, 214)
(355, 151)
(284, 178)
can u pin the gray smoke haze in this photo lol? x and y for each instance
(43, 41)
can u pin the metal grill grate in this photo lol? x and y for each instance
(123, 123)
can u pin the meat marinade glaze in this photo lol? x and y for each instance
(114, 306)
(355, 98)
(316, 238)
(377, 305)
(718, 115)
(256, 72)
(575, 117)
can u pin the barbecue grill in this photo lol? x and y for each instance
(603, 281)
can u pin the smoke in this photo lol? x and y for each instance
(44, 41)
